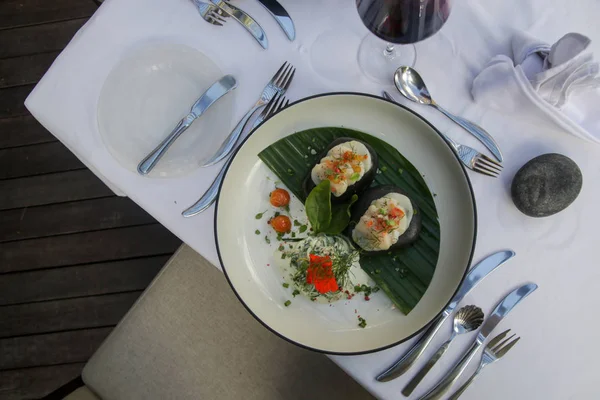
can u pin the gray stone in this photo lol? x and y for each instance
(546, 185)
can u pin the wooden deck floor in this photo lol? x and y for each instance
(73, 257)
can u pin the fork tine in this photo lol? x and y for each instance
(273, 109)
(284, 103)
(285, 77)
(484, 172)
(213, 21)
(279, 105)
(214, 12)
(286, 85)
(277, 74)
(491, 162)
(222, 13)
(478, 167)
(498, 338)
(269, 107)
(482, 164)
(502, 343)
(506, 348)
(215, 15)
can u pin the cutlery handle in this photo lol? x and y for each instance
(232, 139)
(412, 385)
(146, 165)
(404, 363)
(208, 197)
(246, 21)
(481, 134)
(465, 385)
(442, 387)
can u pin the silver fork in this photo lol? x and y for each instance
(470, 157)
(277, 103)
(209, 12)
(492, 353)
(277, 85)
(474, 160)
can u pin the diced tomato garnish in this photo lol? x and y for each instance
(397, 212)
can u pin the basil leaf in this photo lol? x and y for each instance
(340, 217)
(318, 206)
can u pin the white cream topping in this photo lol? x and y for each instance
(379, 228)
(346, 175)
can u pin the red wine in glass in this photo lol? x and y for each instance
(396, 22)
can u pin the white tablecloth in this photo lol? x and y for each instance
(556, 357)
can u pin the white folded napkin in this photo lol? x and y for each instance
(557, 83)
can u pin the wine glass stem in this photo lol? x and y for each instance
(389, 51)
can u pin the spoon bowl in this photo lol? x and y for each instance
(468, 319)
(411, 85)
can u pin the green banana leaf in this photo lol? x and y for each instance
(405, 274)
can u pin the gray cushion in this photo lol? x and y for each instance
(188, 337)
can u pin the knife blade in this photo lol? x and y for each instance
(475, 275)
(208, 98)
(501, 311)
(245, 20)
(213, 93)
(481, 134)
(281, 16)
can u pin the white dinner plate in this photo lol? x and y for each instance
(249, 262)
(145, 96)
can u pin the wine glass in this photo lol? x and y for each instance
(395, 22)
(333, 50)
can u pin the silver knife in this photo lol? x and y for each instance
(214, 93)
(245, 20)
(480, 133)
(281, 16)
(501, 311)
(209, 197)
(475, 275)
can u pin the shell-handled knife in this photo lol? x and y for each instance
(501, 311)
(214, 93)
(281, 16)
(245, 20)
(476, 275)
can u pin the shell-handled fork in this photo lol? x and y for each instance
(467, 319)
(277, 85)
(277, 103)
(210, 12)
(492, 353)
(470, 157)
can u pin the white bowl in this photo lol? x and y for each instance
(245, 255)
(145, 96)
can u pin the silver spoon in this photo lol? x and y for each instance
(411, 85)
(467, 319)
